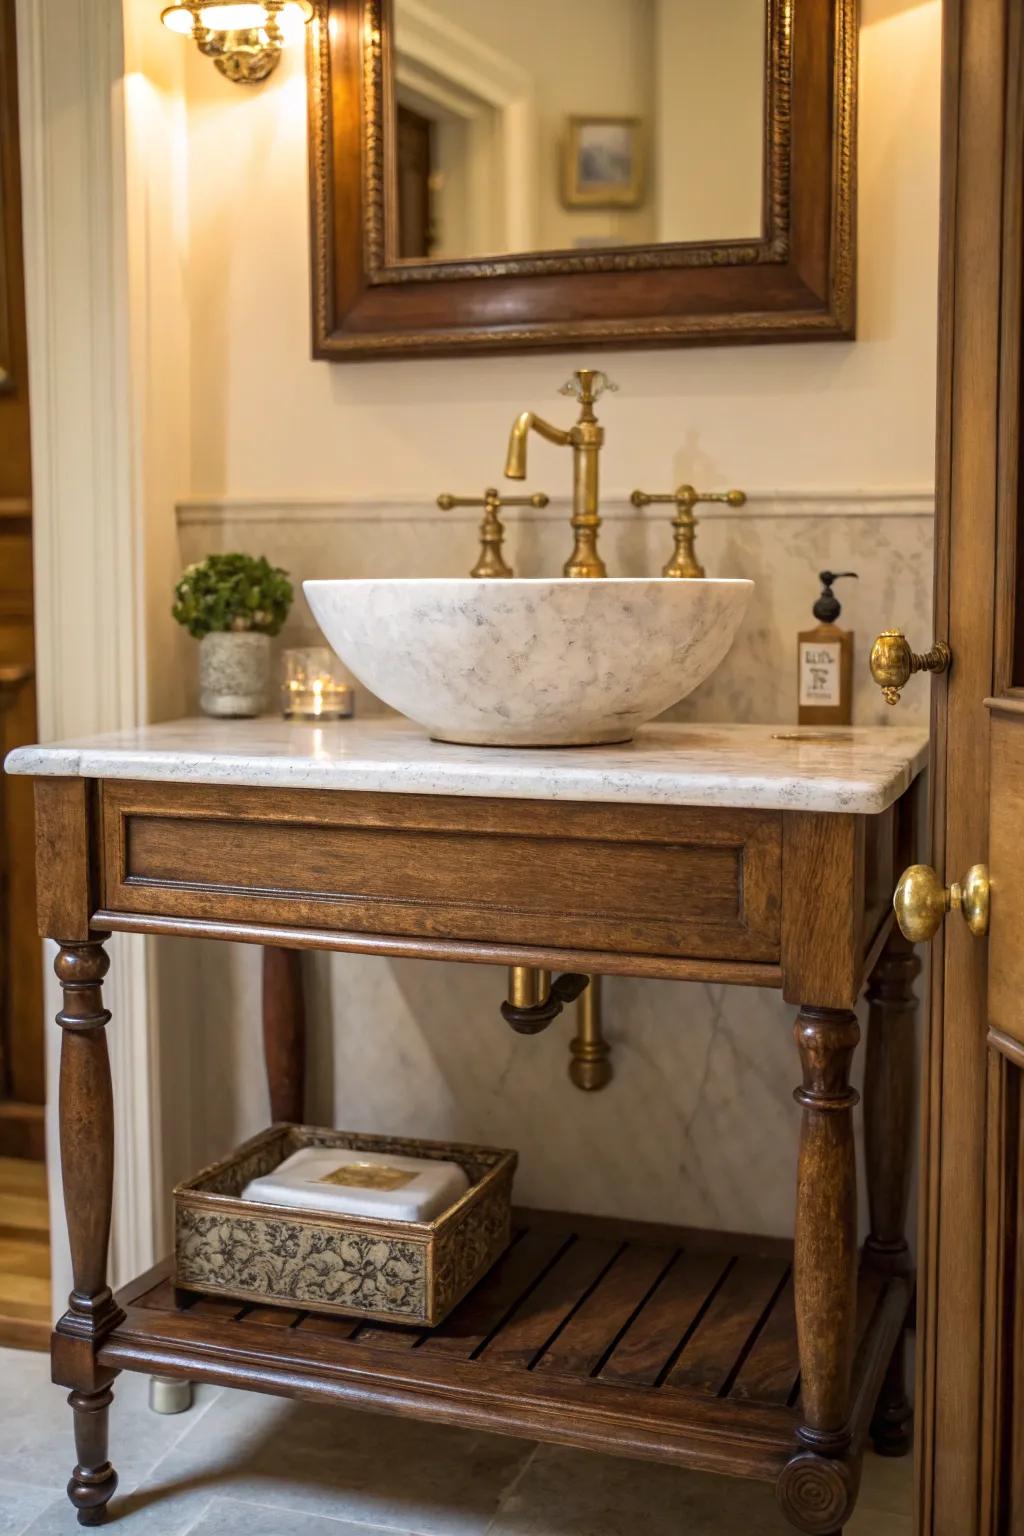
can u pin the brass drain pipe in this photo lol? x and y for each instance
(590, 1066)
(534, 1002)
(527, 986)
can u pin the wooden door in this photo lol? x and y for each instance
(971, 1299)
(21, 1003)
(415, 235)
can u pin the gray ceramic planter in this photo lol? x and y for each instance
(234, 674)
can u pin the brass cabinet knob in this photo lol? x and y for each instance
(893, 663)
(922, 901)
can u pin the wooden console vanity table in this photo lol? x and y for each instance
(724, 854)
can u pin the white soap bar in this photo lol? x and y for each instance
(351, 1183)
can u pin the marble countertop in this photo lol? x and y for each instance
(859, 769)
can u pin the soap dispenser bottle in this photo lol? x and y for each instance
(825, 662)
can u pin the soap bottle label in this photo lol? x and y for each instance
(820, 673)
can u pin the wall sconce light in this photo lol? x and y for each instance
(243, 39)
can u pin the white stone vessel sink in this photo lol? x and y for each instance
(567, 662)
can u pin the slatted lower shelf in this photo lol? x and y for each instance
(648, 1341)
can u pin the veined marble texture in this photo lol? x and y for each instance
(699, 1125)
(889, 544)
(860, 769)
(534, 663)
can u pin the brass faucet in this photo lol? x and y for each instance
(585, 439)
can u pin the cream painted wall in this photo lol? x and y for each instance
(709, 110)
(704, 1074)
(156, 153)
(267, 421)
(580, 57)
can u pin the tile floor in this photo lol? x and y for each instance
(242, 1465)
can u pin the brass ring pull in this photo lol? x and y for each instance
(893, 663)
(921, 901)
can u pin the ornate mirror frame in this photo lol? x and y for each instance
(796, 282)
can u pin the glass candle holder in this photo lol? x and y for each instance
(312, 687)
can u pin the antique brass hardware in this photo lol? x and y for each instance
(490, 562)
(684, 560)
(590, 1066)
(922, 901)
(533, 1004)
(893, 663)
(587, 385)
(527, 986)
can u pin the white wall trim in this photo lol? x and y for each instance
(213, 511)
(87, 532)
(458, 55)
(465, 71)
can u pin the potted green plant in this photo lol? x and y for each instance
(232, 604)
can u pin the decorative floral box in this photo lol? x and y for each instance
(362, 1266)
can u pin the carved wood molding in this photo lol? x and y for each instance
(367, 304)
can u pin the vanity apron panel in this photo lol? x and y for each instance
(627, 879)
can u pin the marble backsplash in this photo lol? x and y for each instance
(781, 542)
(699, 1125)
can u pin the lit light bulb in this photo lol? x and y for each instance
(233, 18)
(243, 38)
(177, 19)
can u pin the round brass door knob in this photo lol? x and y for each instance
(922, 901)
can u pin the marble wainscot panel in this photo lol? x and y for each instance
(699, 1125)
(779, 540)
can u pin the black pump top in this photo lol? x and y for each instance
(827, 608)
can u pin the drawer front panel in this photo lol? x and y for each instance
(627, 879)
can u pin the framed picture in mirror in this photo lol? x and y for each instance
(600, 173)
(603, 162)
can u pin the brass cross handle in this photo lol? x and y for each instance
(922, 901)
(490, 562)
(893, 663)
(684, 498)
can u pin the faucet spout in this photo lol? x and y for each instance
(524, 424)
(585, 440)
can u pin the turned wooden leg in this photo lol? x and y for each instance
(818, 1486)
(284, 1033)
(87, 1166)
(888, 1146)
(93, 1481)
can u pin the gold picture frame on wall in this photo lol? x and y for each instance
(603, 162)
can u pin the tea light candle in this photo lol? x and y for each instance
(312, 687)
